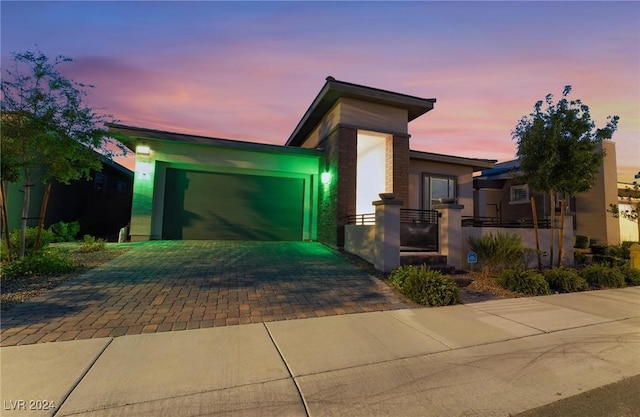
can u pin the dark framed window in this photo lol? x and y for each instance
(436, 189)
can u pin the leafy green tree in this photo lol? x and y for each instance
(558, 151)
(48, 131)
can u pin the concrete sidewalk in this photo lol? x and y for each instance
(493, 358)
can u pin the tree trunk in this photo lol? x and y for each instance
(535, 228)
(43, 212)
(5, 219)
(563, 209)
(25, 213)
(552, 214)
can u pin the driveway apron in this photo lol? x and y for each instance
(176, 285)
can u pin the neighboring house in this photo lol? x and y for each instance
(351, 144)
(502, 197)
(101, 204)
(628, 200)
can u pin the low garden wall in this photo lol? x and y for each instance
(361, 241)
(529, 241)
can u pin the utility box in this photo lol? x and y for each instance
(634, 251)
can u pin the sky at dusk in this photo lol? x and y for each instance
(249, 70)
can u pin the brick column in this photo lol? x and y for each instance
(397, 167)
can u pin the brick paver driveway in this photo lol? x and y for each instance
(175, 285)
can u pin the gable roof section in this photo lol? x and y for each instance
(334, 90)
(476, 164)
(134, 134)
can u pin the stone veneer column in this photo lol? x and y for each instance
(338, 199)
(397, 167)
(450, 233)
(387, 245)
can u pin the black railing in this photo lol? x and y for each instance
(419, 230)
(422, 216)
(362, 219)
(468, 221)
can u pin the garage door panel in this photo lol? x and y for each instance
(204, 205)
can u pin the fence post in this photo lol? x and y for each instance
(450, 234)
(387, 245)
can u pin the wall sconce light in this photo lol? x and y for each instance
(325, 178)
(143, 150)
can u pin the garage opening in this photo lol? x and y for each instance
(221, 206)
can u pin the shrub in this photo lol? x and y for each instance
(602, 276)
(65, 232)
(609, 260)
(399, 275)
(30, 239)
(565, 280)
(425, 286)
(579, 258)
(598, 249)
(498, 251)
(41, 264)
(91, 244)
(631, 275)
(581, 242)
(525, 281)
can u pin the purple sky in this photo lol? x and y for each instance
(249, 70)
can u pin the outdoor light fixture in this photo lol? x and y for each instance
(325, 178)
(143, 150)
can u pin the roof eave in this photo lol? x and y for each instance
(333, 90)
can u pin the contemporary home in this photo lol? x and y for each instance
(351, 145)
(502, 197)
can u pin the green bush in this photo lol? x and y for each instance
(525, 281)
(91, 244)
(565, 280)
(598, 249)
(65, 232)
(425, 286)
(631, 275)
(609, 260)
(579, 258)
(30, 239)
(44, 263)
(399, 275)
(581, 242)
(499, 251)
(602, 276)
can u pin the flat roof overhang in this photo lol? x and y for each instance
(333, 90)
(131, 135)
(476, 164)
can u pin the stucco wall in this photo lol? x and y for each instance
(529, 241)
(361, 241)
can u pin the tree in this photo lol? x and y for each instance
(48, 132)
(558, 151)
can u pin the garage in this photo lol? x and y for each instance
(213, 205)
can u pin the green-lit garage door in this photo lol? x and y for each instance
(206, 205)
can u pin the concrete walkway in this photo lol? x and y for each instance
(494, 358)
(165, 286)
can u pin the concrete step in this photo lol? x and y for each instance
(431, 260)
(419, 258)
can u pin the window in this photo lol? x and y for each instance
(437, 188)
(100, 181)
(519, 194)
